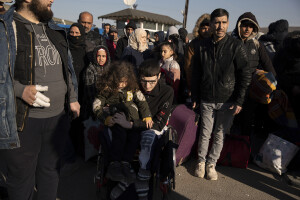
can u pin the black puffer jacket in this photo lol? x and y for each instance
(221, 72)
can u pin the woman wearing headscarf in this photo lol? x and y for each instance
(137, 50)
(76, 38)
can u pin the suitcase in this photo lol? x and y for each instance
(236, 151)
(183, 120)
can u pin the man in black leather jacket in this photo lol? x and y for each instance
(221, 75)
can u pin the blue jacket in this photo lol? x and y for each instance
(8, 127)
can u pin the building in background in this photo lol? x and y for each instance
(146, 20)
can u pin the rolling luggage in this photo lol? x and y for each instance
(183, 120)
(236, 151)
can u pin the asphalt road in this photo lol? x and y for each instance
(233, 184)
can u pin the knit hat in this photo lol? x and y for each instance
(205, 22)
(182, 33)
(281, 26)
(172, 30)
(113, 29)
(131, 24)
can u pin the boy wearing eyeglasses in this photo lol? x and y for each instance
(159, 97)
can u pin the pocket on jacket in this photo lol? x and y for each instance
(4, 129)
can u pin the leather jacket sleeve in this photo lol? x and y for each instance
(243, 75)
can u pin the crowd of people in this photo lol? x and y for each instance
(52, 80)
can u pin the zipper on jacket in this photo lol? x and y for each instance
(31, 63)
(214, 72)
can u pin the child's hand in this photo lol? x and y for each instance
(149, 122)
(109, 121)
(120, 118)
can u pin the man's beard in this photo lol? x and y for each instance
(42, 13)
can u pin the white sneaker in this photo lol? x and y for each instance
(211, 172)
(200, 170)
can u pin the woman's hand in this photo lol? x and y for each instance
(120, 118)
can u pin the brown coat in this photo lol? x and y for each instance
(188, 59)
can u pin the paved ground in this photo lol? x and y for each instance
(234, 184)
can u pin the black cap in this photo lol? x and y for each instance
(131, 24)
(205, 22)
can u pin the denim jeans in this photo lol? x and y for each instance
(215, 120)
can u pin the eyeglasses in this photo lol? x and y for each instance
(151, 82)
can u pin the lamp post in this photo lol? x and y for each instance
(186, 9)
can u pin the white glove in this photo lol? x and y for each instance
(40, 99)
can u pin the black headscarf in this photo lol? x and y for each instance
(77, 48)
(77, 41)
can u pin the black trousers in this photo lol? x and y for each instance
(36, 162)
(124, 144)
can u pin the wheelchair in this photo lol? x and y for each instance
(163, 168)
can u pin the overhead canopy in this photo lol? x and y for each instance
(133, 14)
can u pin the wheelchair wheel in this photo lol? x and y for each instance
(99, 178)
(173, 138)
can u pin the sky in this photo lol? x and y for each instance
(266, 11)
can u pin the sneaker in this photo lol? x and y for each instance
(200, 170)
(118, 190)
(211, 172)
(114, 171)
(142, 189)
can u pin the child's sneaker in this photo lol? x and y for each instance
(211, 172)
(142, 189)
(144, 174)
(114, 171)
(118, 190)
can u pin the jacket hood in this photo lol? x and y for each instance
(247, 16)
(95, 62)
(161, 36)
(198, 22)
(171, 31)
(27, 23)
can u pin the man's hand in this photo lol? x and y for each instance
(120, 118)
(237, 109)
(75, 107)
(29, 94)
